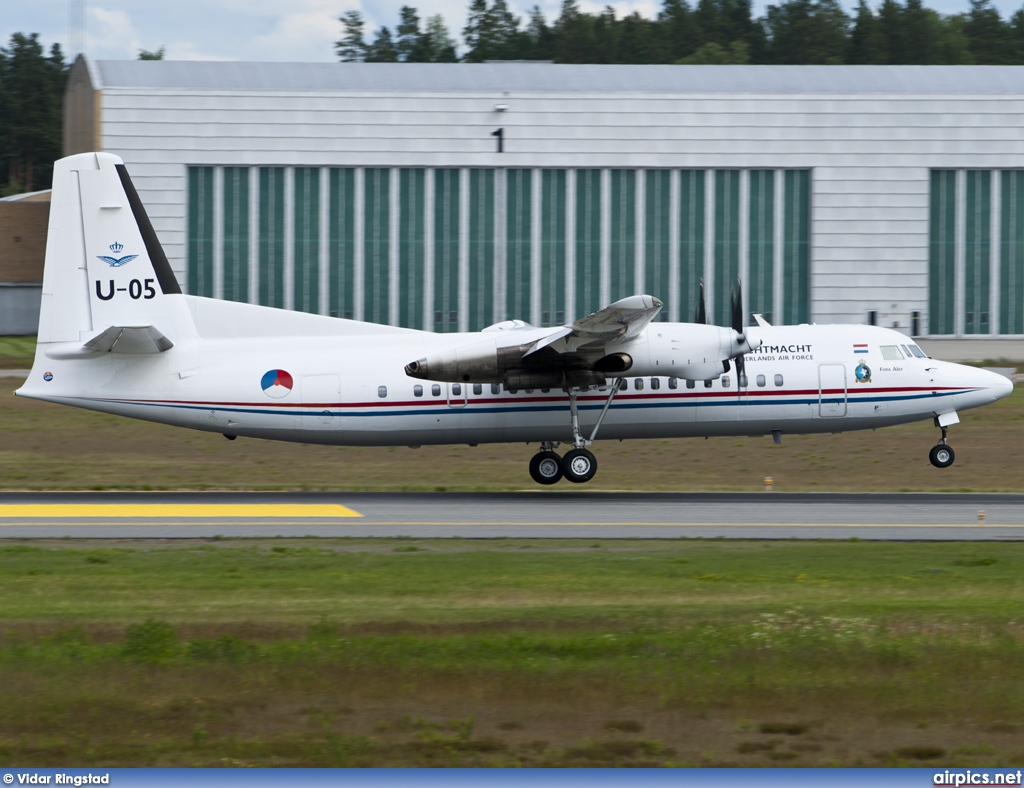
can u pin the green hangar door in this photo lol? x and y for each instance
(459, 248)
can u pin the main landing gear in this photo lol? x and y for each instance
(579, 464)
(942, 455)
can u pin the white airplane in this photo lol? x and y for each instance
(117, 335)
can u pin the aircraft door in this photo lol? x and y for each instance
(831, 391)
(323, 393)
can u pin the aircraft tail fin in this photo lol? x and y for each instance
(105, 271)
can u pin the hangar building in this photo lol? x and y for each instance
(451, 196)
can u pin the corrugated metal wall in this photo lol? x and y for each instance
(431, 256)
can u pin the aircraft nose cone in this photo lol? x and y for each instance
(1002, 387)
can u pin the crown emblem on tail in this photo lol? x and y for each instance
(116, 262)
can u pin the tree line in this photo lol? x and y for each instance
(792, 32)
(31, 109)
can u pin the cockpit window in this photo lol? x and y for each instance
(891, 353)
(917, 351)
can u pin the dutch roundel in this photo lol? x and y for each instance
(277, 383)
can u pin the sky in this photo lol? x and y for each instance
(274, 30)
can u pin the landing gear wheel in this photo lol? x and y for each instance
(941, 456)
(546, 467)
(579, 465)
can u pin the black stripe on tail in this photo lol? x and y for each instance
(164, 275)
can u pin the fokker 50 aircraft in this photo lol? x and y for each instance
(116, 334)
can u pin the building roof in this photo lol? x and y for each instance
(533, 77)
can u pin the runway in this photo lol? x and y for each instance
(548, 515)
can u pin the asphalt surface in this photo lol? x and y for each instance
(585, 515)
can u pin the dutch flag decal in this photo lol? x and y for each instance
(860, 348)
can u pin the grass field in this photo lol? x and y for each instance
(52, 447)
(17, 352)
(510, 653)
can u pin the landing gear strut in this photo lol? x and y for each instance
(579, 464)
(942, 455)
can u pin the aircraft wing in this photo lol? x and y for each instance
(619, 322)
(522, 355)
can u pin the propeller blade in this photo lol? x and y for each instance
(737, 325)
(737, 308)
(700, 314)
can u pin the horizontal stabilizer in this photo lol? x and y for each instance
(130, 339)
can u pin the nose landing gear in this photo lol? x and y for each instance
(579, 464)
(942, 455)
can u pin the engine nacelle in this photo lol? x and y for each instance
(685, 350)
(682, 350)
(476, 363)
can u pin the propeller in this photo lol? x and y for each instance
(700, 314)
(737, 325)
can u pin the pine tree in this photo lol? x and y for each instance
(382, 50)
(32, 94)
(539, 37)
(865, 38)
(408, 42)
(351, 48)
(678, 28)
(807, 32)
(989, 38)
(475, 32)
(437, 42)
(891, 33)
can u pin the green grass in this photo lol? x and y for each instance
(17, 352)
(346, 652)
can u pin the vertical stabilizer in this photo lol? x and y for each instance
(104, 267)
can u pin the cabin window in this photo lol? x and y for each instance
(891, 353)
(478, 389)
(638, 384)
(725, 382)
(456, 389)
(708, 383)
(673, 383)
(761, 381)
(743, 381)
(382, 391)
(778, 380)
(417, 391)
(691, 384)
(528, 391)
(623, 384)
(495, 388)
(435, 390)
(545, 391)
(655, 384)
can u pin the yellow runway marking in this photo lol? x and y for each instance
(144, 510)
(411, 524)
